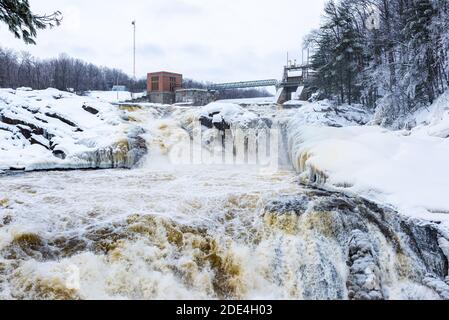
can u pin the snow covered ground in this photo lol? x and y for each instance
(246, 101)
(407, 169)
(115, 96)
(294, 103)
(53, 129)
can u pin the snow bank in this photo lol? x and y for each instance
(114, 96)
(294, 103)
(54, 129)
(434, 121)
(250, 101)
(324, 113)
(405, 169)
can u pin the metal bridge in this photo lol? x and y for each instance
(243, 85)
(295, 78)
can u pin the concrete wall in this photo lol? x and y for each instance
(195, 97)
(162, 97)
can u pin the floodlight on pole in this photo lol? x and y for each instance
(134, 49)
(134, 57)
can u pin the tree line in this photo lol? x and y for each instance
(66, 73)
(389, 55)
(63, 73)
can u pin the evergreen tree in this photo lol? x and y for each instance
(339, 57)
(421, 77)
(22, 22)
(396, 65)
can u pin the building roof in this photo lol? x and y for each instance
(119, 88)
(166, 72)
(192, 90)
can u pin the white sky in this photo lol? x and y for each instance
(208, 40)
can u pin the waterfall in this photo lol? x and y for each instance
(172, 229)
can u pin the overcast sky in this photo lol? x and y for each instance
(209, 40)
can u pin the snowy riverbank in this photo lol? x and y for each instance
(328, 145)
(53, 129)
(338, 148)
(407, 169)
(168, 230)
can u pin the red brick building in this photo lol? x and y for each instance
(164, 82)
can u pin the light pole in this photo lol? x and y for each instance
(134, 57)
(134, 49)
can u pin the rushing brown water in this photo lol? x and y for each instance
(180, 233)
(136, 231)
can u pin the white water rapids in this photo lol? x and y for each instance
(227, 202)
(167, 231)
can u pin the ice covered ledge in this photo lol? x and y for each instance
(52, 129)
(407, 169)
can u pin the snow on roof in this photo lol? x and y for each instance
(119, 88)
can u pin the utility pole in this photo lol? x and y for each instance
(117, 89)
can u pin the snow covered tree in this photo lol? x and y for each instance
(419, 73)
(22, 22)
(339, 55)
(396, 64)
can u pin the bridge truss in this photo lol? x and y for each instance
(243, 85)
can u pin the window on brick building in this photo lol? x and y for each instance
(172, 84)
(155, 83)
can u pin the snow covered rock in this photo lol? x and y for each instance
(364, 274)
(438, 285)
(433, 121)
(351, 248)
(293, 104)
(223, 115)
(222, 120)
(51, 129)
(324, 113)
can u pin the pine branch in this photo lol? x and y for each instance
(23, 23)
